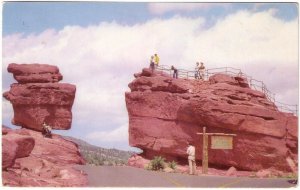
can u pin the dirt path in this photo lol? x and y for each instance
(124, 176)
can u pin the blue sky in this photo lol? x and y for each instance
(35, 17)
(118, 39)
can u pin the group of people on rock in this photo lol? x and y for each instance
(199, 69)
(154, 61)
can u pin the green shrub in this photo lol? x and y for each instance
(157, 163)
(172, 165)
(148, 166)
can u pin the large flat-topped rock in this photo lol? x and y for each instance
(166, 113)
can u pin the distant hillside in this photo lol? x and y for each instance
(101, 156)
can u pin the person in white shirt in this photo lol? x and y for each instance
(191, 158)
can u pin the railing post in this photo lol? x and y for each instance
(205, 152)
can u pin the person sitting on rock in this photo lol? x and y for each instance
(47, 130)
(175, 74)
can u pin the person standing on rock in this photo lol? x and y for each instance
(197, 71)
(175, 74)
(152, 63)
(191, 158)
(156, 60)
(202, 71)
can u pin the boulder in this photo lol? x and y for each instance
(9, 153)
(138, 161)
(165, 113)
(231, 171)
(24, 143)
(38, 101)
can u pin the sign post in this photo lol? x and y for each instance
(205, 152)
(218, 141)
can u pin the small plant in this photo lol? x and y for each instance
(157, 163)
(148, 167)
(172, 165)
(289, 175)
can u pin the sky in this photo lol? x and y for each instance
(98, 46)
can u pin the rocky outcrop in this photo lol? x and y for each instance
(48, 163)
(165, 113)
(38, 97)
(29, 158)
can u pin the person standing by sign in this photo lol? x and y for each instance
(191, 158)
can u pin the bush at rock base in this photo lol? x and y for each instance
(157, 163)
(172, 165)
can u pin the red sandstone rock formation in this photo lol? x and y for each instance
(49, 162)
(165, 113)
(38, 98)
(29, 159)
(35, 73)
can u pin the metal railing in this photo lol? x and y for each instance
(253, 83)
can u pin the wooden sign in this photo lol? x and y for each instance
(221, 142)
(218, 141)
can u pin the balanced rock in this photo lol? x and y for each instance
(166, 113)
(40, 100)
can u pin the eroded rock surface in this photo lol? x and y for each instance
(47, 162)
(30, 159)
(41, 99)
(165, 113)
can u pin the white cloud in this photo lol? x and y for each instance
(117, 135)
(161, 8)
(101, 59)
